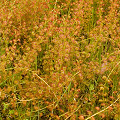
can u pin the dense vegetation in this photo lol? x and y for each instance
(59, 59)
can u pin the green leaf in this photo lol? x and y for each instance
(69, 87)
(11, 112)
(5, 106)
(91, 87)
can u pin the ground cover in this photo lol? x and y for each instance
(59, 59)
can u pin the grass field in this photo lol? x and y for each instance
(59, 59)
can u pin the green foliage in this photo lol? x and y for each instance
(59, 59)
